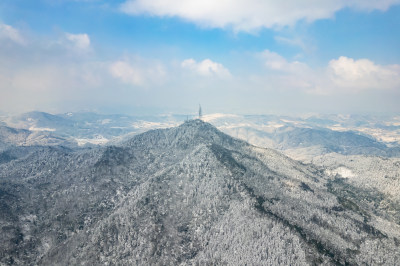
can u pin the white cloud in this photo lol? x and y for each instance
(249, 15)
(127, 73)
(78, 41)
(8, 32)
(206, 68)
(275, 61)
(137, 72)
(58, 72)
(289, 74)
(45, 72)
(363, 74)
(52, 73)
(342, 75)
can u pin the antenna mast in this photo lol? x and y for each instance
(200, 112)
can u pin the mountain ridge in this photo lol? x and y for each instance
(183, 195)
(295, 136)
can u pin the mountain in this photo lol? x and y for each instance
(10, 137)
(78, 125)
(315, 135)
(87, 127)
(186, 195)
(297, 137)
(39, 120)
(347, 142)
(288, 139)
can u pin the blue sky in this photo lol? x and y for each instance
(255, 56)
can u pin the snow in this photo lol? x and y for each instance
(343, 171)
(105, 121)
(42, 129)
(338, 127)
(97, 140)
(211, 117)
(153, 125)
(199, 197)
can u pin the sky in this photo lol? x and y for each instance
(230, 56)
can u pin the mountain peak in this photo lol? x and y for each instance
(199, 132)
(198, 124)
(189, 134)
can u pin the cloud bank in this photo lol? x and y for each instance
(363, 74)
(341, 75)
(249, 15)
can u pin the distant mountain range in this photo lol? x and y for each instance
(22, 137)
(187, 195)
(315, 135)
(345, 142)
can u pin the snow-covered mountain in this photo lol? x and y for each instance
(22, 137)
(187, 195)
(89, 128)
(315, 135)
(297, 137)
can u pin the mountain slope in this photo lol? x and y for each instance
(22, 137)
(322, 140)
(347, 142)
(184, 195)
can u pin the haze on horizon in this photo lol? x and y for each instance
(234, 56)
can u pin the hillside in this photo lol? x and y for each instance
(185, 195)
